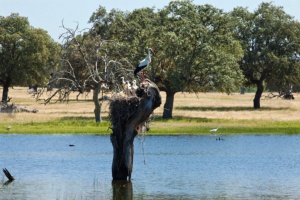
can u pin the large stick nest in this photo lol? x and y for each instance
(124, 109)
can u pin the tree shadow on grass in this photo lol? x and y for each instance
(80, 118)
(156, 118)
(183, 119)
(225, 109)
(83, 121)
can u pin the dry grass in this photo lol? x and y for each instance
(203, 111)
(236, 107)
(203, 105)
(84, 107)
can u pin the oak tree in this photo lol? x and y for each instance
(271, 44)
(27, 55)
(194, 44)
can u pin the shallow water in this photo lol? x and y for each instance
(165, 167)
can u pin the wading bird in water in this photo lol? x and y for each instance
(214, 131)
(144, 63)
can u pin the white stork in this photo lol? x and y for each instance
(144, 63)
(128, 85)
(124, 85)
(134, 86)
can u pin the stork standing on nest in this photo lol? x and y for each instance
(128, 90)
(124, 85)
(144, 63)
(134, 87)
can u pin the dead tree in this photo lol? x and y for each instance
(88, 63)
(126, 115)
(122, 190)
(8, 176)
(5, 108)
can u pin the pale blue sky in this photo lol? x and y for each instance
(48, 14)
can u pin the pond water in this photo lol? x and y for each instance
(165, 167)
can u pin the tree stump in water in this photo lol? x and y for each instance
(8, 176)
(122, 190)
(126, 114)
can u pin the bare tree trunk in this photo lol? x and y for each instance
(6, 85)
(259, 91)
(122, 190)
(97, 103)
(126, 114)
(168, 106)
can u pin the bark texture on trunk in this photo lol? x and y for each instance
(6, 85)
(97, 103)
(126, 115)
(122, 190)
(168, 106)
(8, 176)
(259, 91)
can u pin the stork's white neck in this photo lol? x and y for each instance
(149, 55)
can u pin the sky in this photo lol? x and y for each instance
(49, 14)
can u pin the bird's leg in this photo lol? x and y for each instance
(143, 76)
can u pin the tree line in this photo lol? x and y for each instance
(199, 48)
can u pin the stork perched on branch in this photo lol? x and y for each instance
(144, 63)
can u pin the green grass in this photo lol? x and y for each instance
(203, 126)
(224, 109)
(158, 126)
(74, 125)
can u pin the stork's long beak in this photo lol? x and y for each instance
(153, 53)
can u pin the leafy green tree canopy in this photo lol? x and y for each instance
(194, 45)
(27, 54)
(271, 42)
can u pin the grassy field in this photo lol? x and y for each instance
(192, 114)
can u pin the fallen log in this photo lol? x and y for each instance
(5, 108)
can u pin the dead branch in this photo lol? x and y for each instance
(5, 108)
(8, 175)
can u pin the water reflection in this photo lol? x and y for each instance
(165, 167)
(122, 190)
